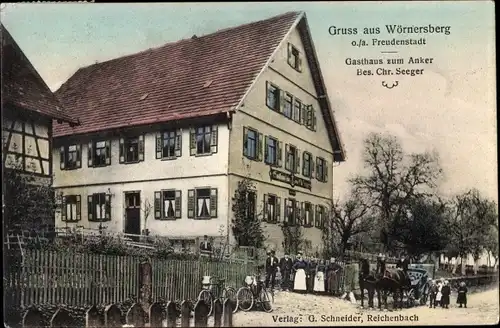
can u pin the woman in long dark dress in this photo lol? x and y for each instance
(445, 291)
(462, 295)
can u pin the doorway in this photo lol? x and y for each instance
(133, 212)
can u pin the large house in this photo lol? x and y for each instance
(28, 111)
(166, 135)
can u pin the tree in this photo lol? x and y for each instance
(392, 179)
(246, 224)
(348, 220)
(293, 237)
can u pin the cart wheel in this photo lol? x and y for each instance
(244, 299)
(425, 295)
(410, 298)
(230, 293)
(265, 300)
(207, 297)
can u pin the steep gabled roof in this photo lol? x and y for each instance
(23, 87)
(196, 77)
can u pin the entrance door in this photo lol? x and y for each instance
(133, 212)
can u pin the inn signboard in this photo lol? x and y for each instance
(290, 179)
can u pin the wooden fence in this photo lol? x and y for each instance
(169, 314)
(82, 279)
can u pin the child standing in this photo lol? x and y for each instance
(439, 295)
(462, 295)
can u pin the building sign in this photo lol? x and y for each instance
(291, 179)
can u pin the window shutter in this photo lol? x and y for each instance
(191, 203)
(108, 206)
(303, 214)
(141, 147)
(281, 104)
(266, 151)
(278, 209)
(62, 156)
(285, 219)
(326, 171)
(303, 114)
(259, 146)
(299, 64)
(317, 169)
(266, 208)
(311, 214)
(245, 141)
(78, 208)
(213, 139)
(122, 150)
(304, 154)
(178, 143)
(78, 156)
(316, 217)
(108, 152)
(297, 160)
(159, 145)
(287, 158)
(213, 203)
(90, 208)
(90, 155)
(289, 57)
(298, 216)
(279, 151)
(311, 163)
(63, 208)
(158, 205)
(192, 141)
(314, 121)
(178, 204)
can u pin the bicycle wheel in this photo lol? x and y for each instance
(244, 299)
(265, 300)
(230, 293)
(207, 297)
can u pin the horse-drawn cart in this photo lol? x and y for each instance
(419, 288)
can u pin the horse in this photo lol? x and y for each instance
(394, 282)
(368, 280)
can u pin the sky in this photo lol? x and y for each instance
(450, 108)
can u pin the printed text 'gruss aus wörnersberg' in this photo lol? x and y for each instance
(392, 29)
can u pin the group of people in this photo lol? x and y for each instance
(440, 291)
(303, 274)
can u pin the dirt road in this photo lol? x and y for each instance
(292, 309)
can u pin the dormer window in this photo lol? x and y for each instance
(294, 58)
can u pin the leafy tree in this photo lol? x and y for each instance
(392, 179)
(246, 224)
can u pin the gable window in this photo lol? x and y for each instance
(202, 203)
(99, 153)
(273, 97)
(307, 165)
(297, 108)
(272, 208)
(203, 140)
(307, 214)
(291, 211)
(252, 144)
(132, 149)
(168, 204)
(320, 216)
(71, 208)
(71, 157)
(273, 151)
(288, 106)
(321, 170)
(99, 207)
(292, 158)
(294, 59)
(169, 144)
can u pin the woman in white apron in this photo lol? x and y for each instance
(299, 281)
(319, 280)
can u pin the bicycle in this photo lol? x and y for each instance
(254, 293)
(207, 293)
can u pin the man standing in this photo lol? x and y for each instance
(286, 269)
(271, 268)
(205, 247)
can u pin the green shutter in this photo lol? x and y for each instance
(245, 141)
(141, 148)
(278, 209)
(314, 119)
(178, 204)
(107, 208)
(159, 145)
(297, 160)
(122, 151)
(78, 156)
(266, 151)
(78, 207)
(90, 155)
(213, 203)
(288, 165)
(259, 146)
(279, 151)
(90, 208)
(63, 208)
(214, 139)
(317, 169)
(289, 57)
(178, 143)
(299, 64)
(281, 103)
(191, 203)
(157, 205)
(325, 171)
(62, 157)
(192, 142)
(108, 152)
(266, 209)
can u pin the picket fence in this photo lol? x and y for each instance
(158, 315)
(45, 277)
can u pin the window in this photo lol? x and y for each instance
(321, 170)
(168, 204)
(273, 97)
(294, 59)
(71, 208)
(288, 106)
(132, 149)
(320, 216)
(272, 208)
(203, 140)
(251, 205)
(307, 165)
(99, 207)
(202, 203)
(252, 144)
(291, 211)
(310, 118)
(297, 108)
(307, 214)
(70, 157)
(169, 144)
(292, 158)
(273, 151)
(99, 153)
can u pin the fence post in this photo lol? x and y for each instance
(172, 314)
(227, 313)
(61, 319)
(112, 316)
(145, 275)
(156, 315)
(217, 313)
(200, 314)
(185, 313)
(136, 316)
(92, 318)
(33, 318)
